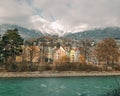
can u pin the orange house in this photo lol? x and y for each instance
(30, 53)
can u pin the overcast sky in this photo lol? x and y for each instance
(72, 13)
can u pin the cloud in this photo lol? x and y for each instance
(13, 8)
(75, 12)
(15, 12)
(69, 13)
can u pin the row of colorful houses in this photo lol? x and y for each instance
(64, 54)
(49, 54)
(59, 53)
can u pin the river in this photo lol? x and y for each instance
(67, 86)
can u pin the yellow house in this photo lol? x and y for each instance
(72, 55)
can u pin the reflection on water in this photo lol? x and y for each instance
(69, 86)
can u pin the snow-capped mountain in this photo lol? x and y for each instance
(43, 27)
(24, 32)
(99, 33)
(57, 27)
(53, 28)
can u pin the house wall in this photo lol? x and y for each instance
(58, 54)
(72, 56)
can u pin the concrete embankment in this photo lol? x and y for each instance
(57, 74)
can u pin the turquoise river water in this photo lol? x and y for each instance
(67, 86)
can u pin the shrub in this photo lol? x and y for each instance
(116, 67)
(66, 67)
(45, 67)
(18, 67)
(76, 67)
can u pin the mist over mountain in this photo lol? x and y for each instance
(99, 33)
(24, 32)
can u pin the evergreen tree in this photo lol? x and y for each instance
(1, 47)
(11, 42)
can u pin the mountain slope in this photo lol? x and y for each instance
(113, 32)
(24, 32)
(47, 27)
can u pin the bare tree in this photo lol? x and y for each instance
(107, 51)
(86, 49)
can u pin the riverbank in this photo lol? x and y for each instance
(57, 74)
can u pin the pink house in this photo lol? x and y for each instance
(58, 54)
